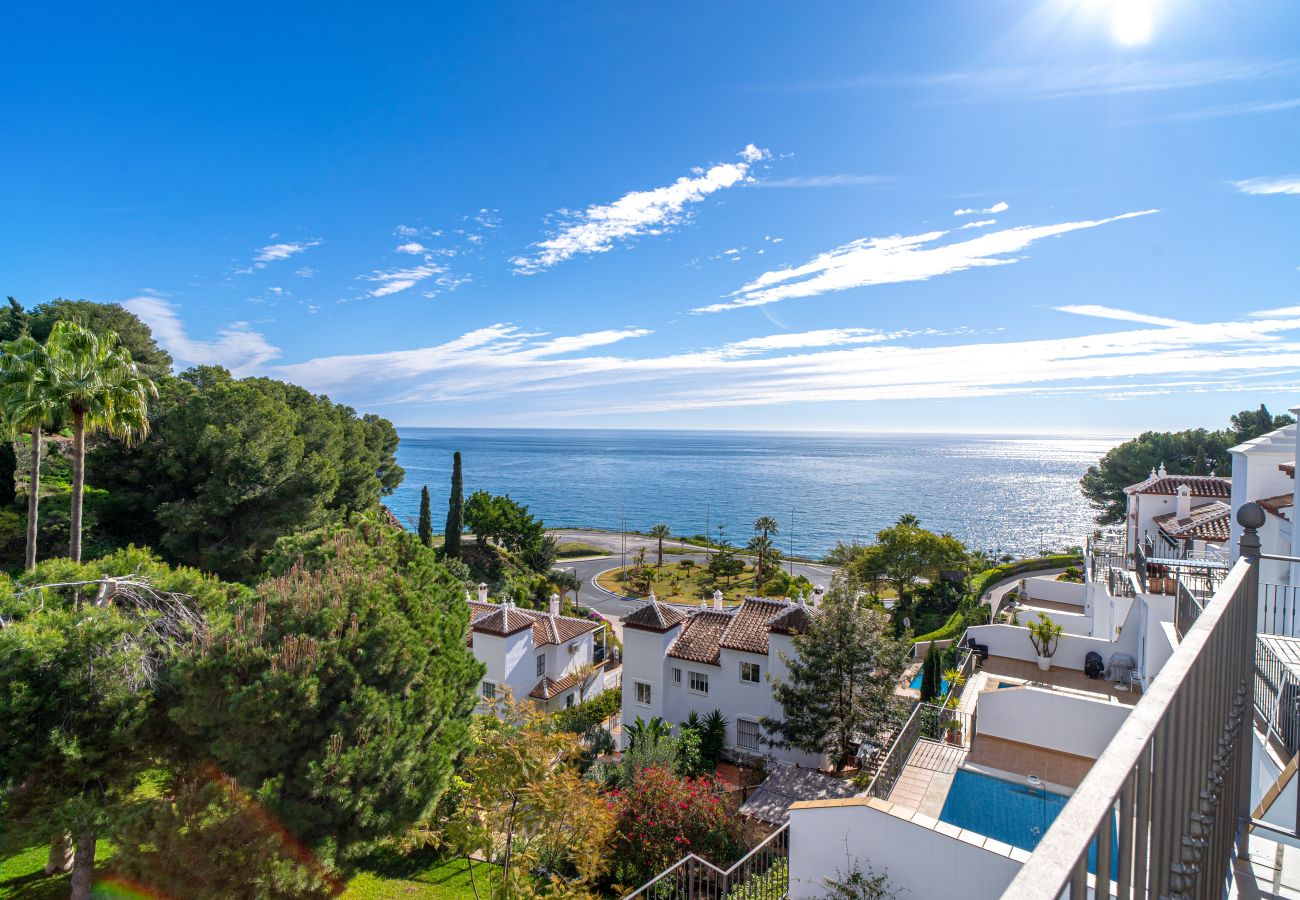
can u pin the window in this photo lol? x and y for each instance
(746, 734)
(749, 672)
(642, 693)
(699, 683)
(489, 690)
(568, 701)
(677, 675)
(541, 664)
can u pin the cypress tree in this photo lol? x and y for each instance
(14, 325)
(426, 518)
(8, 467)
(455, 510)
(929, 675)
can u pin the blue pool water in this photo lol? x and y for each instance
(943, 684)
(1015, 814)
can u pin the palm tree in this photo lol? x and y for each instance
(761, 547)
(764, 526)
(660, 532)
(98, 388)
(28, 406)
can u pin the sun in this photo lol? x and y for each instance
(1132, 21)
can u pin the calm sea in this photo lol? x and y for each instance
(997, 493)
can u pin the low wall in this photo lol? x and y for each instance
(1050, 719)
(1046, 587)
(1073, 623)
(1013, 641)
(921, 858)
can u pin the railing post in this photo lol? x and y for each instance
(1251, 518)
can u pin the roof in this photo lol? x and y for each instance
(770, 801)
(655, 616)
(1280, 440)
(1207, 522)
(1275, 505)
(1201, 485)
(745, 627)
(1288, 468)
(549, 687)
(504, 620)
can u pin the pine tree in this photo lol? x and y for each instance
(840, 684)
(426, 518)
(1202, 466)
(14, 324)
(455, 510)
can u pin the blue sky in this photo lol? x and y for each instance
(695, 215)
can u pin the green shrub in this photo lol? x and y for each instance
(583, 717)
(980, 583)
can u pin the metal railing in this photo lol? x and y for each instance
(1160, 814)
(1277, 696)
(1187, 609)
(887, 776)
(761, 874)
(1279, 609)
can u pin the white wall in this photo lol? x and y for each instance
(921, 863)
(1046, 587)
(1051, 719)
(643, 660)
(1013, 641)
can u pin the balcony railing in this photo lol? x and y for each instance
(761, 874)
(1277, 692)
(1161, 813)
(1279, 609)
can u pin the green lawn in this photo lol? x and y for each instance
(419, 877)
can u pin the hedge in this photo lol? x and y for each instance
(958, 621)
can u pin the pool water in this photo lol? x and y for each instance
(916, 684)
(1014, 813)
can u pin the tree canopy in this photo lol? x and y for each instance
(904, 553)
(152, 360)
(841, 678)
(1196, 451)
(339, 700)
(231, 465)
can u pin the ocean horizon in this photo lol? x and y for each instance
(999, 492)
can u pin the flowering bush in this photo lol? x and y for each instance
(663, 817)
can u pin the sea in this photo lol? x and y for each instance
(1012, 494)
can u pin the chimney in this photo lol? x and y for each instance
(1184, 506)
(1162, 470)
(717, 599)
(555, 604)
(467, 597)
(652, 598)
(704, 604)
(801, 600)
(818, 593)
(482, 593)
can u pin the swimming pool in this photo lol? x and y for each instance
(916, 684)
(1007, 811)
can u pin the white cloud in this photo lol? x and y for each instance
(394, 281)
(1250, 108)
(891, 260)
(599, 228)
(999, 207)
(1286, 184)
(1121, 315)
(237, 346)
(274, 252)
(822, 181)
(415, 248)
(305, 272)
(508, 368)
(981, 223)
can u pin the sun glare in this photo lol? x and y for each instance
(1131, 21)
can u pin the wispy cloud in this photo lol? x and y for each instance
(1043, 82)
(394, 281)
(981, 223)
(890, 260)
(237, 346)
(275, 252)
(1000, 207)
(1227, 110)
(1285, 184)
(599, 228)
(510, 366)
(822, 181)
(1121, 315)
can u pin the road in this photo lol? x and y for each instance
(614, 607)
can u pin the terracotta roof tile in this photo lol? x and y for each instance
(1275, 505)
(1288, 468)
(792, 620)
(748, 628)
(1201, 485)
(699, 639)
(492, 618)
(1207, 522)
(550, 687)
(655, 617)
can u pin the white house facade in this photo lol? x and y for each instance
(545, 657)
(1176, 516)
(678, 661)
(1263, 471)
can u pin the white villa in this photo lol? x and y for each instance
(553, 660)
(1263, 470)
(679, 660)
(1177, 515)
